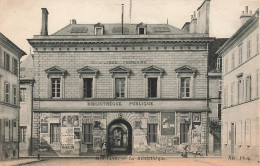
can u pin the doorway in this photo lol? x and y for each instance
(119, 137)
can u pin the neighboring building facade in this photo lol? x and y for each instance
(240, 111)
(145, 91)
(10, 56)
(26, 99)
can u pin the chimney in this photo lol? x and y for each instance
(44, 31)
(73, 21)
(203, 17)
(193, 24)
(245, 15)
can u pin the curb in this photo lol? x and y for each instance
(30, 162)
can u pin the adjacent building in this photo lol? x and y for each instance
(140, 89)
(240, 111)
(10, 56)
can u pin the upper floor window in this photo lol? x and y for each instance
(240, 53)
(240, 86)
(99, 29)
(233, 61)
(56, 77)
(88, 84)
(142, 28)
(232, 93)
(120, 87)
(14, 95)
(23, 133)
(248, 48)
(56, 87)
(7, 92)
(141, 31)
(152, 87)
(185, 87)
(219, 64)
(248, 88)
(15, 66)
(22, 94)
(6, 61)
(225, 96)
(219, 88)
(226, 65)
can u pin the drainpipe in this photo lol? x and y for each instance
(207, 122)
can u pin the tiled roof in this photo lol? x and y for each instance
(116, 29)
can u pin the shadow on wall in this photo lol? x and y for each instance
(43, 149)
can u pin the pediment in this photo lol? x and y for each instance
(141, 25)
(55, 70)
(186, 69)
(120, 69)
(152, 69)
(99, 25)
(87, 70)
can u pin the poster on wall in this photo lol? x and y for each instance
(168, 123)
(45, 117)
(67, 131)
(70, 120)
(67, 140)
(97, 142)
(44, 127)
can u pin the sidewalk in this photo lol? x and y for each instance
(19, 162)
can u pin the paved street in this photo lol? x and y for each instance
(115, 161)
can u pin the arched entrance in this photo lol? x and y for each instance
(119, 138)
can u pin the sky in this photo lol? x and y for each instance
(21, 19)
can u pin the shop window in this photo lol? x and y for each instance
(54, 133)
(22, 94)
(248, 88)
(56, 87)
(87, 133)
(152, 133)
(7, 92)
(152, 87)
(184, 132)
(185, 87)
(14, 95)
(6, 61)
(22, 136)
(88, 82)
(120, 87)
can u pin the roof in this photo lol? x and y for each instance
(116, 29)
(254, 20)
(11, 44)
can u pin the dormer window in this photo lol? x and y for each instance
(142, 29)
(99, 29)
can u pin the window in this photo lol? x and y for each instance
(219, 64)
(55, 87)
(239, 133)
(184, 132)
(14, 95)
(232, 93)
(219, 88)
(6, 61)
(141, 31)
(185, 87)
(15, 66)
(55, 133)
(152, 133)
(248, 88)
(248, 48)
(226, 65)
(99, 31)
(257, 42)
(23, 133)
(219, 111)
(225, 96)
(152, 87)
(240, 54)
(88, 87)
(7, 92)
(248, 132)
(120, 87)
(233, 61)
(22, 94)
(240, 91)
(87, 133)
(7, 130)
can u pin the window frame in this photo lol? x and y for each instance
(240, 92)
(219, 63)
(15, 66)
(23, 133)
(55, 88)
(15, 95)
(101, 30)
(248, 48)
(7, 93)
(248, 88)
(90, 134)
(120, 87)
(233, 60)
(185, 88)
(153, 135)
(85, 87)
(240, 53)
(149, 87)
(7, 61)
(57, 137)
(22, 94)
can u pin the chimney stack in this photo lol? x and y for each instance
(245, 15)
(73, 21)
(44, 30)
(194, 14)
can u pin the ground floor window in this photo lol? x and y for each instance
(87, 133)
(55, 132)
(184, 132)
(152, 133)
(23, 133)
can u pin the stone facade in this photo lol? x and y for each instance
(10, 56)
(240, 112)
